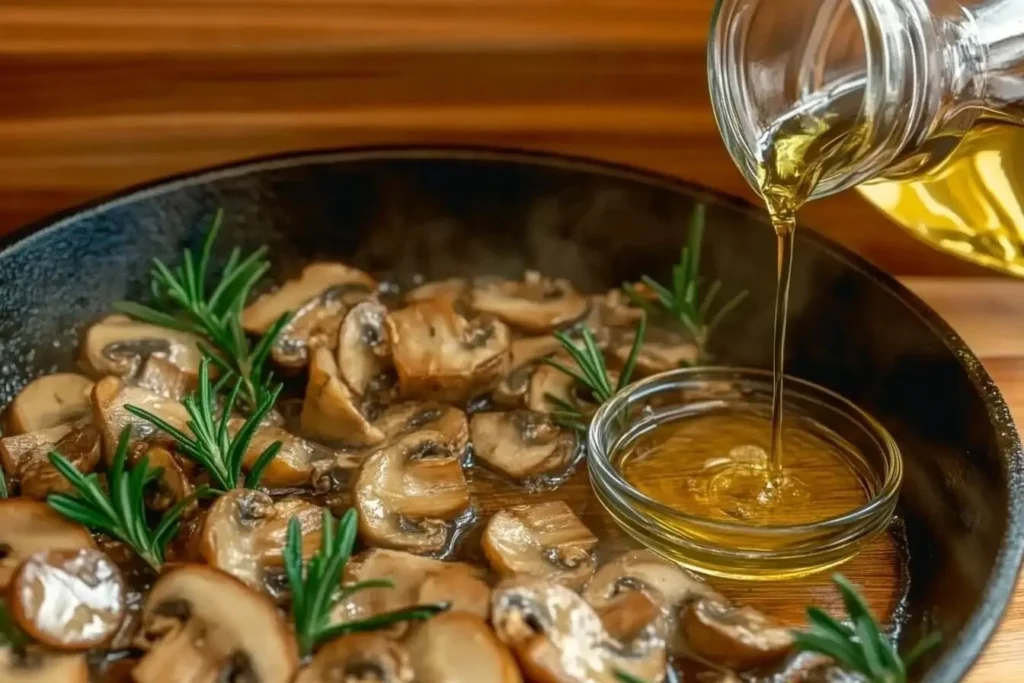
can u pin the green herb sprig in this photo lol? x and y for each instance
(316, 585)
(121, 513)
(860, 647)
(10, 633)
(4, 492)
(683, 301)
(624, 677)
(182, 300)
(212, 446)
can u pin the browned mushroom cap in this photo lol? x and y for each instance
(460, 648)
(417, 581)
(544, 540)
(522, 443)
(294, 465)
(404, 418)
(173, 485)
(68, 599)
(118, 345)
(526, 353)
(537, 304)
(642, 570)
(558, 638)
(244, 532)
(441, 355)
(35, 666)
(109, 398)
(329, 411)
(359, 658)
(27, 527)
(364, 348)
(163, 377)
(199, 624)
(49, 401)
(37, 475)
(319, 299)
(407, 493)
(14, 449)
(737, 637)
(447, 290)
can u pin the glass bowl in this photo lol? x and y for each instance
(735, 549)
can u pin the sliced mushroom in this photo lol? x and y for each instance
(645, 571)
(68, 599)
(404, 418)
(631, 615)
(166, 379)
(558, 638)
(441, 355)
(409, 491)
(49, 401)
(550, 386)
(364, 348)
(37, 475)
(244, 532)
(543, 540)
(536, 304)
(359, 658)
(319, 299)
(294, 465)
(417, 581)
(199, 624)
(118, 345)
(329, 411)
(27, 527)
(451, 290)
(737, 637)
(526, 353)
(173, 486)
(460, 648)
(522, 443)
(109, 398)
(661, 350)
(34, 666)
(15, 449)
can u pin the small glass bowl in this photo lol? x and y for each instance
(731, 548)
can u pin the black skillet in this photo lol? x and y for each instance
(442, 212)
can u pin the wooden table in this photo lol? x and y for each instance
(989, 314)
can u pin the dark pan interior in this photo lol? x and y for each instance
(446, 212)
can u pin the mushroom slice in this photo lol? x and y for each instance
(558, 638)
(294, 465)
(118, 345)
(68, 599)
(737, 637)
(369, 657)
(27, 527)
(329, 411)
(450, 290)
(199, 624)
(549, 386)
(409, 491)
(244, 532)
(526, 353)
(404, 418)
(544, 540)
(364, 348)
(173, 486)
(49, 401)
(522, 443)
(33, 666)
(15, 449)
(460, 648)
(642, 570)
(536, 304)
(37, 475)
(109, 398)
(166, 379)
(661, 351)
(319, 299)
(441, 355)
(417, 581)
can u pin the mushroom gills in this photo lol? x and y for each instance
(523, 444)
(536, 304)
(525, 354)
(329, 410)
(119, 346)
(49, 401)
(364, 347)
(401, 419)
(740, 638)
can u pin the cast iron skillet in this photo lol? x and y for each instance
(442, 212)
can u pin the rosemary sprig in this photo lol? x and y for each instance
(624, 677)
(10, 633)
(3, 485)
(683, 301)
(121, 513)
(182, 300)
(316, 585)
(860, 647)
(212, 446)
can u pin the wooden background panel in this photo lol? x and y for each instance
(99, 95)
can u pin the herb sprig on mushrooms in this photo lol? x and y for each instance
(3, 485)
(860, 647)
(212, 446)
(315, 585)
(182, 300)
(683, 301)
(121, 513)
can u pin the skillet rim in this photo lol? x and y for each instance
(998, 591)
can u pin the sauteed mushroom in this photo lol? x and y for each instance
(166, 379)
(109, 398)
(661, 351)
(543, 540)
(42, 667)
(49, 401)
(15, 449)
(173, 485)
(294, 465)
(329, 411)
(118, 345)
(441, 355)
(199, 624)
(364, 348)
(37, 475)
(643, 570)
(526, 353)
(359, 658)
(460, 648)
(536, 304)
(521, 443)
(408, 491)
(404, 418)
(447, 290)
(736, 637)
(27, 527)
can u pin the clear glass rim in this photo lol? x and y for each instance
(599, 460)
